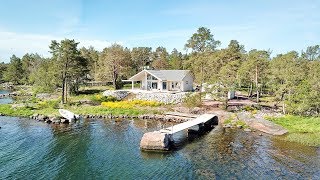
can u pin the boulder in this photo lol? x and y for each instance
(239, 126)
(64, 121)
(155, 141)
(55, 120)
(43, 96)
(195, 110)
(48, 121)
(118, 94)
(35, 116)
(41, 117)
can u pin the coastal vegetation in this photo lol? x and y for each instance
(289, 78)
(305, 130)
(285, 82)
(50, 108)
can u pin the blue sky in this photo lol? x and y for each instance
(281, 26)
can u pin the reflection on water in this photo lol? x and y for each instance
(107, 149)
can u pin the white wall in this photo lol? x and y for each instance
(187, 83)
(231, 94)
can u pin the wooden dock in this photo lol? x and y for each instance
(160, 140)
(197, 121)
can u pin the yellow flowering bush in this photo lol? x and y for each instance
(47, 104)
(130, 104)
(99, 98)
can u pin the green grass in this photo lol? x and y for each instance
(92, 110)
(309, 139)
(129, 86)
(99, 110)
(305, 130)
(267, 99)
(235, 122)
(32, 105)
(299, 124)
(21, 111)
(242, 123)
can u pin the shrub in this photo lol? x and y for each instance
(130, 104)
(192, 100)
(252, 108)
(99, 98)
(47, 104)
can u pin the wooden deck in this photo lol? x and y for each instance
(179, 127)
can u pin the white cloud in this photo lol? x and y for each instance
(22, 43)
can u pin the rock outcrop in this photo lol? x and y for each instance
(259, 123)
(118, 94)
(155, 141)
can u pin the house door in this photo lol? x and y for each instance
(148, 85)
(164, 85)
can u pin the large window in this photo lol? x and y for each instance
(154, 85)
(164, 85)
(150, 77)
(152, 82)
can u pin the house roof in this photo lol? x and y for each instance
(165, 75)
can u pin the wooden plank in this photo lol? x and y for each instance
(179, 127)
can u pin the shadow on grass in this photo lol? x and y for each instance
(90, 91)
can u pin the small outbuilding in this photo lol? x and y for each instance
(164, 80)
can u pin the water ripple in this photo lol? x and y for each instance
(107, 149)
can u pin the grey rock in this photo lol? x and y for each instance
(43, 96)
(64, 121)
(41, 117)
(247, 130)
(118, 94)
(155, 141)
(55, 120)
(195, 110)
(48, 121)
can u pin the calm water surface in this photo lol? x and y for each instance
(105, 149)
(5, 100)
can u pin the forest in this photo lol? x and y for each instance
(290, 79)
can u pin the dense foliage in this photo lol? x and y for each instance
(290, 78)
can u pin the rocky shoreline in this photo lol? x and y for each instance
(61, 120)
(14, 94)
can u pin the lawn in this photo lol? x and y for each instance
(305, 130)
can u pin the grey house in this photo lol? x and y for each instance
(163, 80)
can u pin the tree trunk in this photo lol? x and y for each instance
(63, 84)
(66, 91)
(226, 102)
(283, 104)
(257, 88)
(201, 82)
(250, 89)
(114, 78)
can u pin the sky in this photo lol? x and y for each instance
(28, 26)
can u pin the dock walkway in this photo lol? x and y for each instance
(179, 127)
